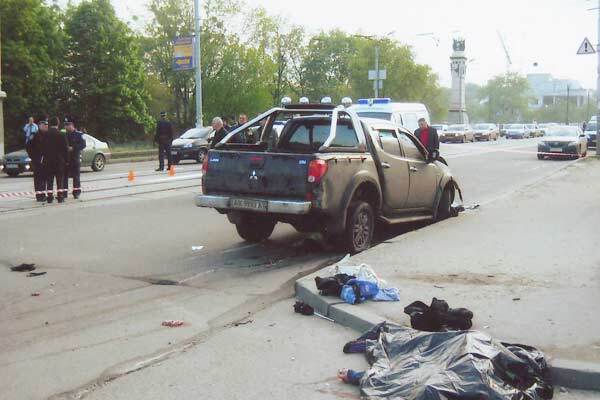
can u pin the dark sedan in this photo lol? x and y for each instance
(563, 142)
(192, 145)
(590, 134)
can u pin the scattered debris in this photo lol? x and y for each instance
(172, 323)
(324, 317)
(23, 268)
(491, 276)
(165, 282)
(293, 358)
(438, 317)
(248, 321)
(46, 323)
(272, 325)
(516, 298)
(563, 390)
(32, 274)
(438, 286)
(472, 207)
(197, 248)
(35, 294)
(356, 284)
(486, 327)
(301, 307)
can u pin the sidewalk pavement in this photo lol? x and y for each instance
(527, 265)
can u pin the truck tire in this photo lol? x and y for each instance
(445, 207)
(360, 225)
(254, 229)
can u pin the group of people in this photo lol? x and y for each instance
(165, 133)
(55, 156)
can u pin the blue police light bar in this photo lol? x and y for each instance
(385, 100)
(363, 101)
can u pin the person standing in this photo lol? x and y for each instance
(76, 144)
(428, 136)
(30, 129)
(164, 137)
(220, 131)
(35, 149)
(243, 136)
(54, 158)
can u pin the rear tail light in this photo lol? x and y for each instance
(316, 171)
(205, 164)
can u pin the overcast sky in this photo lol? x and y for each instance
(544, 31)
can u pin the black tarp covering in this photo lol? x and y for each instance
(414, 365)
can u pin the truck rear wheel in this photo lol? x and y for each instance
(255, 229)
(445, 206)
(360, 226)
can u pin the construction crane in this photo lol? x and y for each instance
(506, 53)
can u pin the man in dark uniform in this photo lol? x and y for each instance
(54, 158)
(164, 137)
(76, 144)
(220, 131)
(429, 138)
(34, 148)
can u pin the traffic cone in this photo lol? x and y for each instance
(131, 176)
(172, 170)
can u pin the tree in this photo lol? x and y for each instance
(32, 46)
(105, 72)
(507, 97)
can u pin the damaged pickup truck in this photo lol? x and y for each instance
(328, 171)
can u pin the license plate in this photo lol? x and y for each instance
(12, 166)
(258, 205)
(556, 149)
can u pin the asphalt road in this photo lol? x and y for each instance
(131, 254)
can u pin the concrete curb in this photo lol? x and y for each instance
(567, 373)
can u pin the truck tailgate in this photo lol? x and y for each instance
(256, 173)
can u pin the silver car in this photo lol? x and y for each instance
(563, 141)
(95, 155)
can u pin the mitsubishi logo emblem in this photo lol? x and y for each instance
(253, 176)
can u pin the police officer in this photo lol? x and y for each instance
(164, 137)
(54, 159)
(35, 148)
(76, 144)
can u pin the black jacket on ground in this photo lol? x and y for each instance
(434, 140)
(55, 150)
(165, 131)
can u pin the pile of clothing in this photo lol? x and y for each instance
(356, 284)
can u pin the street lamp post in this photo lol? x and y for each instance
(377, 71)
(198, 64)
(2, 96)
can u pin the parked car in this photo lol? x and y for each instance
(517, 131)
(441, 128)
(330, 171)
(192, 145)
(563, 141)
(458, 133)
(590, 134)
(544, 126)
(486, 132)
(95, 155)
(534, 130)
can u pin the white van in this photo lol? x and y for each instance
(404, 114)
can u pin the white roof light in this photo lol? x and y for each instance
(286, 100)
(346, 101)
(304, 100)
(326, 100)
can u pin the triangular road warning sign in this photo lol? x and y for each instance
(586, 47)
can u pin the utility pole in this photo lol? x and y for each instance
(598, 84)
(197, 59)
(377, 71)
(2, 96)
(568, 99)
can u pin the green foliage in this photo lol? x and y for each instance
(504, 99)
(32, 46)
(105, 73)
